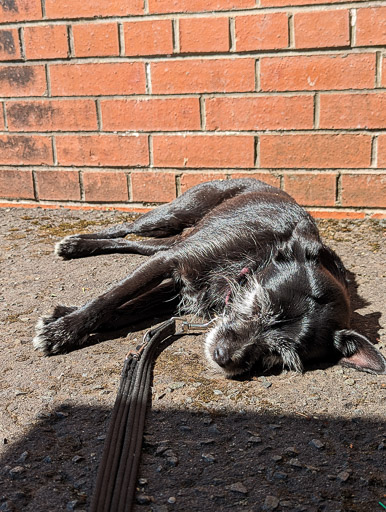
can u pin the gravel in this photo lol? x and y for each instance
(283, 442)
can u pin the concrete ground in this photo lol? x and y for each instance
(285, 442)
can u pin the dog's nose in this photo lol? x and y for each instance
(221, 357)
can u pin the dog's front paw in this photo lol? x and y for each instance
(59, 312)
(56, 337)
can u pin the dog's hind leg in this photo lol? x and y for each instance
(185, 211)
(72, 330)
(78, 247)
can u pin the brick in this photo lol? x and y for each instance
(311, 189)
(101, 150)
(259, 113)
(104, 78)
(16, 184)
(51, 115)
(322, 29)
(195, 76)
(96, 39)
(262, 176)
(58, 185)
(170, 114)
(92, 9)
(203, 151)
(46, 42)
(204, 35)
(353, 110)
(9, 45)
(189, 180)
(149, 37)
(371, 26)
(262, 32)
(354, 71)
(382, 151)
(365, 190)
(20, 10)
(21, 149)
(19, 81)
(165, 6)
(153, 187)
(291, 3)
(315, 151)
(105, 186)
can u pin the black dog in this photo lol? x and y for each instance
(238, 250)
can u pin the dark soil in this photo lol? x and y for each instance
(285, 442)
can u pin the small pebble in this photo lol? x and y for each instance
(254, 440)
(16, 471)
(316, 443)
(207, 441)
(77, 458)
(349, 382)
(279, 475)
(143, 499)
(238, 487)
(213, 429)
(176, 385)
(295, 463)
(209, 457)
(172, 500)
(271, 503)
(23, 457)
(343, 476)
(292, 451)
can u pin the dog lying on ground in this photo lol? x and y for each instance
(238, 250)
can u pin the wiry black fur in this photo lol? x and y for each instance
(241, 250)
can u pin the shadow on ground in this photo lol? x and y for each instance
(201, 461)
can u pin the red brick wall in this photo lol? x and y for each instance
(134, 101)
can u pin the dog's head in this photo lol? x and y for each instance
(294, 310)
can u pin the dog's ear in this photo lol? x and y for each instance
(359, 352)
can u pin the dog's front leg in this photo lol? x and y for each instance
(72, 330)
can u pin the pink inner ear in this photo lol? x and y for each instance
(364, 359)
(359, 359)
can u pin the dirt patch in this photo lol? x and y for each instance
(286, 442)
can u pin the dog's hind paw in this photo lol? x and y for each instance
(56, 337)
(70, 247)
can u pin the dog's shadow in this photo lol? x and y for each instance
(367, 324)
